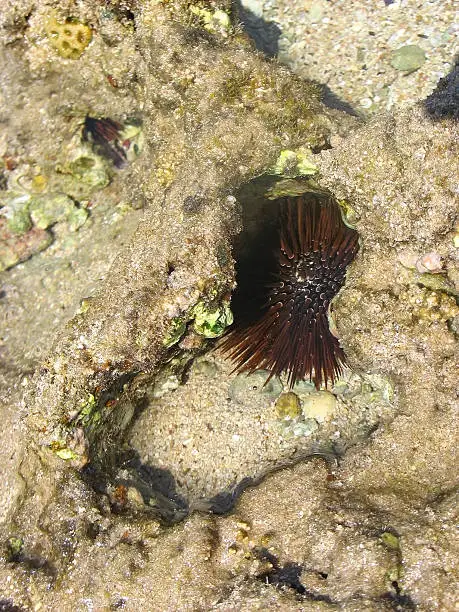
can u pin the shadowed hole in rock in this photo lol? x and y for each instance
(129, 475)
(287, 576)
(398, 601)
(136, 485)
(32, 562)
(6, 605)
(280, 575)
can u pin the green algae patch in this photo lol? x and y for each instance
(348, 213)
(286, 187)
(24, 211)
(295, 163)
(49, 209)
(212, 322)
(133, 139)
(176, 330)
(15, 209)
(435, 282)
(87, 167)
(293, 186)
(88, 413)
(66, 454)
(201, 14)
(61, 450)
(390, 540)
(15, 546)
(215, 22)
(208, 321)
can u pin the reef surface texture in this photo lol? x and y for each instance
(137, 470)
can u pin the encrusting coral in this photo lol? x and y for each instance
(70, 39)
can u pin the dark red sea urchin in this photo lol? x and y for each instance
(291, 333)
(105, 134)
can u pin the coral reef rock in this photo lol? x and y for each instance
(139, 472)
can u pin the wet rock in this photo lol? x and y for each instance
(305, 428)
(215, 117)
(245, 385)
(303, 387)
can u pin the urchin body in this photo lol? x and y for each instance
(105, 133)
(292, 333)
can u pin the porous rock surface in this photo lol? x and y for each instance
(374, 531)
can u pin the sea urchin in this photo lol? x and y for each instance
(291, 333)
(105, 134)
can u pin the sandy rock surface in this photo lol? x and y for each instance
(138, 471)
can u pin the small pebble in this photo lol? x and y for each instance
(134, 497)
(316, 12)
(366, 102)
(431, 262)
(319, 406)
(340, 387)
(408, 58)
(456, 240)
(288, 406)
(408, 258)
(254, 6)
(164, 384)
